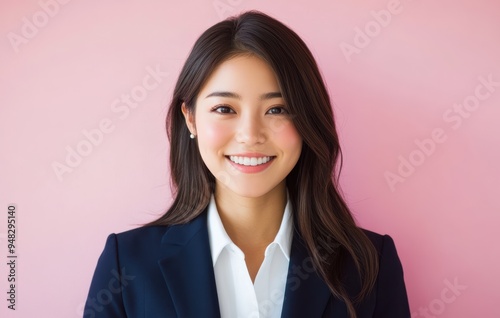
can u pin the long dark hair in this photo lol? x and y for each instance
(323, 219)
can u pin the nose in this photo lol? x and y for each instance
(251, 130)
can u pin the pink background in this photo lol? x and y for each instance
(407, 74)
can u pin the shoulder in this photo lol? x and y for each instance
(135, 244)
(129, 259)
(381, 242)
(141, 235)
(386, 248)
(149, 243)
(392, 299)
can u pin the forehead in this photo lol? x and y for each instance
(242, 74)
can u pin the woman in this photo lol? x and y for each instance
(258, 227)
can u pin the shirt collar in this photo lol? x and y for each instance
(219, 239)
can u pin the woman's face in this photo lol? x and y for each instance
(244, 131)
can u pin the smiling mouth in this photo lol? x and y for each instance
(250, 161)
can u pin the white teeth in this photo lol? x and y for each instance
(249, 161)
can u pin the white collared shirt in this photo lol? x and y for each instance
(238, 297)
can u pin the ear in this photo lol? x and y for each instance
(189, 117)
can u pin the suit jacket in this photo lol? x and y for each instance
(167, 271)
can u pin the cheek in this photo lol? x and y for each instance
(288, 137)
(212, 135)
(215, 130)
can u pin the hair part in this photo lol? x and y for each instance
(321, 215)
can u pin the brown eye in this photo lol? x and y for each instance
(223, 109)
(278, 111)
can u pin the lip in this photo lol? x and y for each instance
(250, 155)
(251, 169)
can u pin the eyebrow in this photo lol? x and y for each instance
(265, 96)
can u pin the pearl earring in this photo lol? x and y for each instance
(191, 136)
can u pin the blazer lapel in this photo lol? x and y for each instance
(188, 269)
(188, 272)
(306, 293)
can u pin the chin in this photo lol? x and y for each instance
(248, 192)
(250, 189)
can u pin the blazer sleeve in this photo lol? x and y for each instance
(392, 299)
(105, 294)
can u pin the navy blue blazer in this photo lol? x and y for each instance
(167, 271)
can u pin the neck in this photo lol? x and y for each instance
(251, 222)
